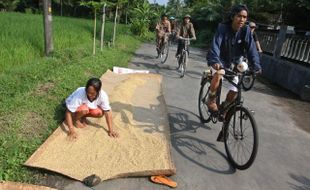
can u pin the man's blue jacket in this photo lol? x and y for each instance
(228, 46)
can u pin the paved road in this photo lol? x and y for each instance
(283, 160)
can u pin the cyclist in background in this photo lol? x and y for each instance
(162, 29)
(253, 27)
(174, 28)
(186, 30)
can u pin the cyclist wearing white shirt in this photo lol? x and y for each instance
(89, 101)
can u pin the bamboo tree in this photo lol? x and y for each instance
(95, 6)
(95, 27)
(118, 4)
(102, 27)
(115, 23)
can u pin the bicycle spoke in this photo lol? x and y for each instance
(241, 143)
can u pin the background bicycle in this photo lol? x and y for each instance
(239, 128)
(182, 60)
(163, 51)
(248, 79)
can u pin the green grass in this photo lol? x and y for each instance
(33, 87)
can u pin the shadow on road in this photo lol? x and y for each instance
(201, 153)
(180, 120)
(304, 182)
(204, 154)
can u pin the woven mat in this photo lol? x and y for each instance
(21, 186)
(140, 118)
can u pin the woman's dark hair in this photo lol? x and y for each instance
(96, 83)
(234, 11)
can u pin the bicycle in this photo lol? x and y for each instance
(164, 49)
(238, 123)
(183, 58)
(248, 79)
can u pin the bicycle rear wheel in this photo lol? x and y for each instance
(247, 81)
(240, 137)
(165, 52)
(204, 113)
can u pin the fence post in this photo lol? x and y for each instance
(280, 41)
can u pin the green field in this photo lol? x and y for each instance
(33, 87)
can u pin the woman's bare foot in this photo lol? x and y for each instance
(81, 123)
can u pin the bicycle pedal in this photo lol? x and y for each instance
(214, 114)
(221, 118)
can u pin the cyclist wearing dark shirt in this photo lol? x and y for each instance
(186, 30)
(231, 41)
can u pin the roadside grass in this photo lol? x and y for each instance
(33, 87)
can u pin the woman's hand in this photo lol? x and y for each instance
(72, 134)
(113, 134)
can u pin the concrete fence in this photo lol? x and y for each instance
(297, 48)
(286, 60)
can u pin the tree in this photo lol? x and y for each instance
(9, 5)
(95, 6)
(118, 4)
(175, 8)
(140, 21)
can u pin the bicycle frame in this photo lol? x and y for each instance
(186, 44)
(237, 102)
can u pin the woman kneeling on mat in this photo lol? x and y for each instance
(89, 101)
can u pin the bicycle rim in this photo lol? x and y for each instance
(185, 60)
(183, 64)
(204, 113)
(247, 82)
(241, 138)
(182, 70)
(165, 53)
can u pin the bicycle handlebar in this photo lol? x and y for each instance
(187, 39)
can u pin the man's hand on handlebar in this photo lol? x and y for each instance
(258, 72)
(216, 66)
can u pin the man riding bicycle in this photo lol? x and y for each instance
(162, 29)
(231, 41)
(186, 30)
(174, 28)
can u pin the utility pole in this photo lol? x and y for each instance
(48, 41)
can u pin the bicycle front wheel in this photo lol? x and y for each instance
(183, 60)
(165, 52)
(204, 113)
(240, 137)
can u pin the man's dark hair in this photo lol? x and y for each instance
(164, 15)
(234, 11)
(96, 83)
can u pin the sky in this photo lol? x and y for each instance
(161, 2)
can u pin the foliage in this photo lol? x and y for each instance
(262, 11)
(175, 8)
(9, 5)
(33, 87)
(140, 22)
